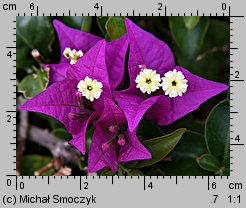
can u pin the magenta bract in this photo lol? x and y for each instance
(147, 50)
(107, 148)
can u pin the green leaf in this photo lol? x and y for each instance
(148, 129)
(208, 162)
(214, 50)
(115, 27)
(218, 33)
(62, 133)
(189, 123)
(101, 22)
(183, 157)
(55, 124)
(191, 22)
(34, 83)
(134, 172)
(160, 147)
(131, 164)
(188, 41)
(32, 163)
(225, 170)
(82, 23)
(32, 33)
(86, 24)
(217, 130)
(89, 135)
(107, 172)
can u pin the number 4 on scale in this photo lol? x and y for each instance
(96, 6)
(9, 54)
(148, 186)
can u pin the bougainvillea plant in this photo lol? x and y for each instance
(119, 88)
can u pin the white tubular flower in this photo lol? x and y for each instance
(148, 81)
(72, 55)
(75, 55)
(91, 89)
(174, 83)
(66, 53)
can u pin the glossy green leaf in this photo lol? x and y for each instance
(55, 124)
(134, 172)
(217, 71)
(148, 129)
(191, 21)
(208, 162)
(225, 170)
(101, 22)
(79, 22)
(107, 172)
(32, 163)
(34, 83)
(188, 41)
(218, 33)
(32, 33)
(215, 50)
(115, 27)
(89, 135)
(62, 134)
(182, 160)
(160, 147)
(217, 130)
(188, 122)
(131, 164)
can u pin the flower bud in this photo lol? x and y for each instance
(113, 128)
(105, 146)
(84, 114)
(142, 67)
(80, 99)
(35, 54)
(73, 116)
(121, 140)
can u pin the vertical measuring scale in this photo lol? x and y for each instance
(114, 191)
(11, 112)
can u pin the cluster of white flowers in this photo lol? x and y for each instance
(173, 83)
(72, 55)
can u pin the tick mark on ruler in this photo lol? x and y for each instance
(237, 80)
(236, 16)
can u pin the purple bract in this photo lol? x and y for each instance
(62, 100)
(108, 147)
(147, 51)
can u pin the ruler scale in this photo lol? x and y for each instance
(120, 191)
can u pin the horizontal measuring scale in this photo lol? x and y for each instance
(121, 191)
(224, 187)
